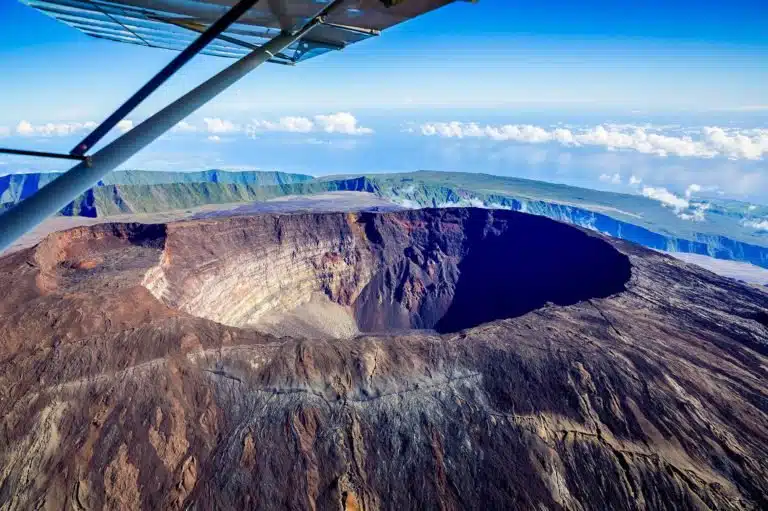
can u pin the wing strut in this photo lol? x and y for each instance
(169, 70)
(43, 154)
(65, 188)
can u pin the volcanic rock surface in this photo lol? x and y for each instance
(431, 359)
(379, 273)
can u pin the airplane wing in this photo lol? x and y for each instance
(280, 31)
(174, 24)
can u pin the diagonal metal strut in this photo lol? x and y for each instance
(200, 28)
(42, 154)
(169, 70)
(65, 188)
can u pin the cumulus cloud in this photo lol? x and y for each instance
(342, 123)
(125, 125)
(749, 144)
(707, 142)
(184, 127)
(284, 124)
(696, 212)
(634, 180)
(214, 138)
(217, 125)
(666, 197)
(516, 133)
(614, 179)
(27, 129)
(693, 188)
(683, 207)
(757, 224)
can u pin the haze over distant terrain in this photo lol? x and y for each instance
(744, 272)
(715, 227)
(653, 95)
(715, 154)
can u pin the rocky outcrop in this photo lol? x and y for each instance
(640, 388)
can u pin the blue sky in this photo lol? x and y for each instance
(668, 69)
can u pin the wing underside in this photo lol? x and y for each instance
(174, 24)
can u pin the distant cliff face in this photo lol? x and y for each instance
(137, 191)
(719, 246)
(641, 221)
(447, 359)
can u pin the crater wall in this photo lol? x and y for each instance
(335, 275)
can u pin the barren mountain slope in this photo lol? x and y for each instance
(488, 360)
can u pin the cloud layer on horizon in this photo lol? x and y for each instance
(343, 123)
(622, 156)
(25, 128)
(706, 142)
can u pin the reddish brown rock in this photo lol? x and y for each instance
(488, 360)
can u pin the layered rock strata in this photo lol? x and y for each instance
(126, 382)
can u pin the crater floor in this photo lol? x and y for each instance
(432, 359)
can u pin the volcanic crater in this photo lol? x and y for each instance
(347, 274)
(431, 359)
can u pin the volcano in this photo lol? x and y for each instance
(425, 359)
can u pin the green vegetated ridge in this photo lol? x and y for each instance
(16, 187)
(122, 199)
(723, 234)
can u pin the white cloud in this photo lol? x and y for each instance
(217, 125)
(694, 188)
(752, 207)
(666, 197)
(647, 139)
(214, 138)
(284, 124)
(522, 133)
(27, 129)
(696, 213)
(634, 180)
(184, 127)
(757, 224)
(683, 207)
(750, 145)
(125, 125)
(342, 122)
(614, 179)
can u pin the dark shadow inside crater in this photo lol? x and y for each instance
(500, 279)
(497, 275)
